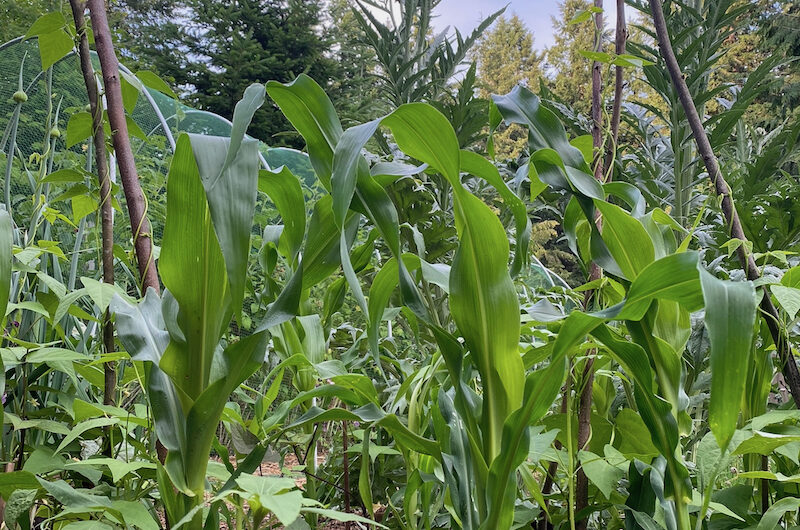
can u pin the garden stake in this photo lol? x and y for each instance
(595, 273)
(106, 211)
(616, 112)
(134, 197)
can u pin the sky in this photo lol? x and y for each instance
(466, 14)
(536, 14)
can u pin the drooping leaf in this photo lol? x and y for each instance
(310, 111)
(730, 317)
(773, 515)
(477, 165)
(544, 130)
(151, 80)
(229, 172)
(192, 267)
(283, 188)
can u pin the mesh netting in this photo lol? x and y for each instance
(55, 96)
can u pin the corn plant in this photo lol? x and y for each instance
(211, 195)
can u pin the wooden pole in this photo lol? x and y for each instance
(134, 197)
(620, 39)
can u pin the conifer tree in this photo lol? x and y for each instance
(506, 58)
(572, 82)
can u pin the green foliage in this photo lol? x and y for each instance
(384, 317)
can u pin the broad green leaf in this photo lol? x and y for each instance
(64, 175)
(278, 495)
(82, 205)
(321, 256)
(634, 438)
(151, 80)
(134, 130)
(768, 475)
(130, 92)
(342, 516)
(228, 169)
(17, 504)
(626, 239)
(788, 298)
(54, 46)
(764, 443)
(627, 59)
(192, 267)
(79, 128)
(477, 165)
(425, 134)
(730, 317)
(600, 57)
(41, 424)
(17, 480)
(674, 277)
(310, 111)
(101, 293)
(773, 417)
(74, 498)
(82, 427)
(791, 278)
(140, 327)
(346, 160)
(119, 468)
(284, 190)
(602, 474)
(773, 515)
(47, 23)
(135, 514)
(544, 130)
(52, 354)
(484, 305)
(710, 460)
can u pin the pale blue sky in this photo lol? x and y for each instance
(466, 14)
(536, 14)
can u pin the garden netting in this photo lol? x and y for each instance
(56, 95)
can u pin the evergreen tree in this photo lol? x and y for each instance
(506, 58)
(232, 44)
(572, 81)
